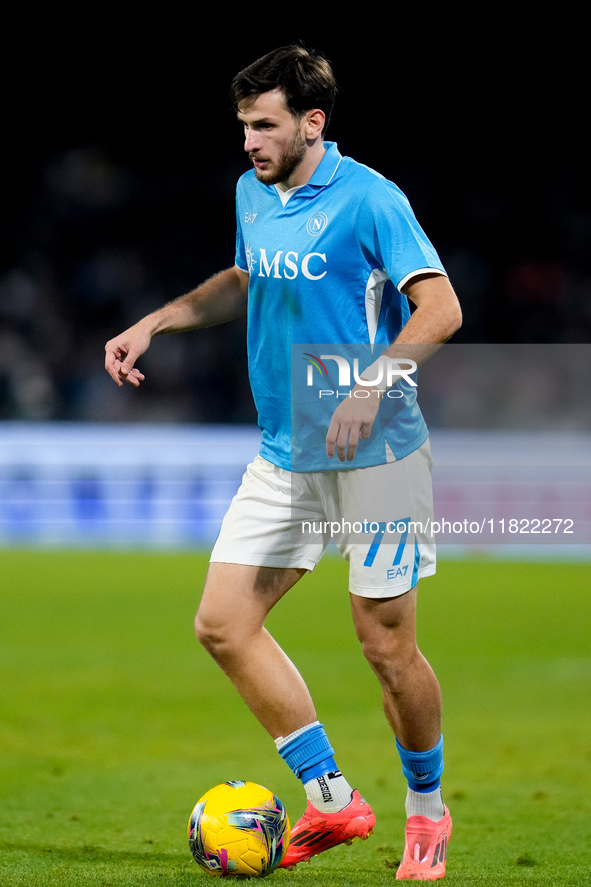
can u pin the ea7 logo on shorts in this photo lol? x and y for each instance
(316, 224)
(397, 572)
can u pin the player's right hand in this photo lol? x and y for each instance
(121, 354)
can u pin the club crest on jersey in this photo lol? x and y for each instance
(316, 224)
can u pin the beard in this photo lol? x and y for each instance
(287, 163)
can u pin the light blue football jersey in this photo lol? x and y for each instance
(326, 269)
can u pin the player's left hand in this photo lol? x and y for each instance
(351, 422)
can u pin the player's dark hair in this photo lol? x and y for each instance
(304, 76)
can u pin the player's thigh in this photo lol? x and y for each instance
(237, 598)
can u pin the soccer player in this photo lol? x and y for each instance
(327, 251)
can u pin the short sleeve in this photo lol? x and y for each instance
(391, 236)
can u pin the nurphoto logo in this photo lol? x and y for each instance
(383, 374)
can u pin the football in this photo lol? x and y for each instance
(238, 829)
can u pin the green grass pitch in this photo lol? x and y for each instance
(113, 721)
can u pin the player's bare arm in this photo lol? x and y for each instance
(220, 299)
(436, 318)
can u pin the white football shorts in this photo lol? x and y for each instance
(379, 518)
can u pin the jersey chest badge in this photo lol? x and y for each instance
(316, 224)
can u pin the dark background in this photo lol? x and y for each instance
(120, 156)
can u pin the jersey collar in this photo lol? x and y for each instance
(323, 174)
(326, 169)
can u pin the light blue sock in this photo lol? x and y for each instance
(308, 752)
(422, 769)
(310, 755)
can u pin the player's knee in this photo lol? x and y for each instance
(212, 634)
(223, 636)
(390, 658)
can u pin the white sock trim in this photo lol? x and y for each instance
(283, 740)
